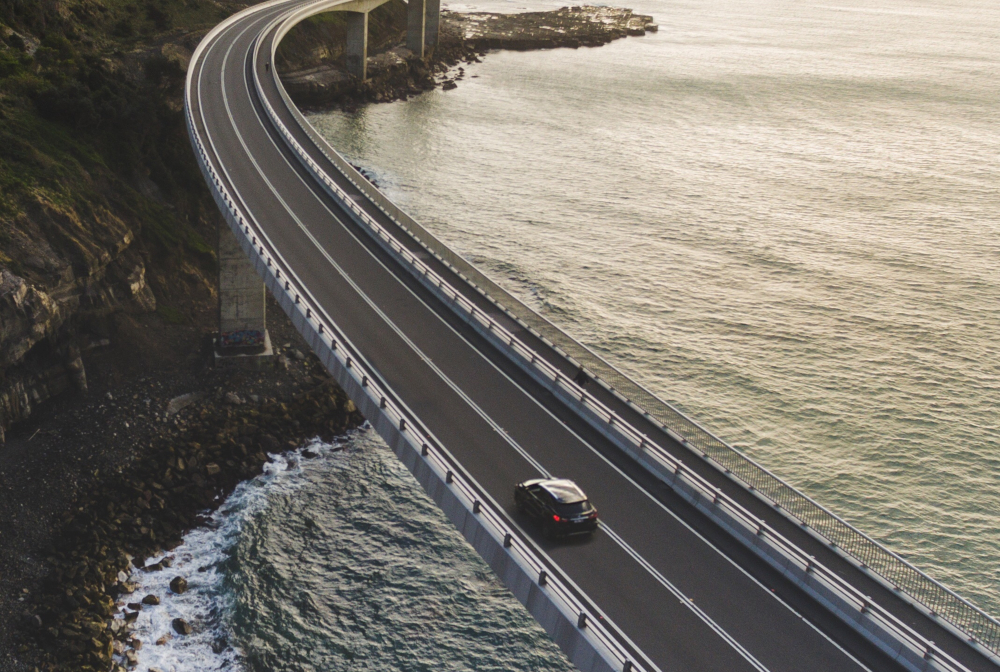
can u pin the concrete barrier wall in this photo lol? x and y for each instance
(558, 604)
(971, 619)
(880, 627)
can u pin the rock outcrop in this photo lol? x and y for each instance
(313, 71)
(82, 239)
(39, 347)
(83, 617)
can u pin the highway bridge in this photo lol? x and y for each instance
(704, 561)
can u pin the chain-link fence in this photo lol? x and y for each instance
(941, 601)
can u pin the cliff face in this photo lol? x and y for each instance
(103, 212)
(71, 269)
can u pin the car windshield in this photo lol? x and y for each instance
(565, 492)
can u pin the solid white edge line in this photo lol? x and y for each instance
(531, 550)
(642, 561)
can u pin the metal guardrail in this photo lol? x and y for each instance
(896, 638)
(694, 436)
(978, 627)
(549, 578)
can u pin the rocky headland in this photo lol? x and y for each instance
(317, 78)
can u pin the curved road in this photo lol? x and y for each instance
(686, 594)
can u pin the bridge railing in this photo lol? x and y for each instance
(339, 352)
(547, 575)
(933, 598)
(883, 628)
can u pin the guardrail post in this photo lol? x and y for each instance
(543, 578)
(581, 621)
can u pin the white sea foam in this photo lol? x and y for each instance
(199, 560)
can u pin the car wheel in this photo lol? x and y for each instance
(548, 531)
(519, 505)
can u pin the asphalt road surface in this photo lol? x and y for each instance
(689, 596)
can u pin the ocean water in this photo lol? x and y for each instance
(781, 216)
(335, 562)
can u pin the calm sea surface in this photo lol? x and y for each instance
(780, 216)
(783, 217)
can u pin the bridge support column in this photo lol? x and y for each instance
(416, 26)
(357, 44)
(432, 20)
(242, 326)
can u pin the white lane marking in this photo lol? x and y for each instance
(620, 634)
(684, 600)
(482, 414)
(528, 457)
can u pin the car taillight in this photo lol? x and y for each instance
(593, 515)
(556, 518)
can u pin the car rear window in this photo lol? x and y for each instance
(565, 492)
(572, 509)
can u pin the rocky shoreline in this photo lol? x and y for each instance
(121, 474)
(464, 38)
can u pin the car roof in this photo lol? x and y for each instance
(563, 490)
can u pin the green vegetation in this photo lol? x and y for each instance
(171, 315)
(91, 122)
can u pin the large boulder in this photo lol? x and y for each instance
(181, 627)
(179, 584)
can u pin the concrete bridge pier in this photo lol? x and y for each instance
(423, 17)
(432, 20)
(243, 336)
(416, 23)
(357, 44)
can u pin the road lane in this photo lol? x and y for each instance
(448, 375)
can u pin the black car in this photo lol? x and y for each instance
(559, 505)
